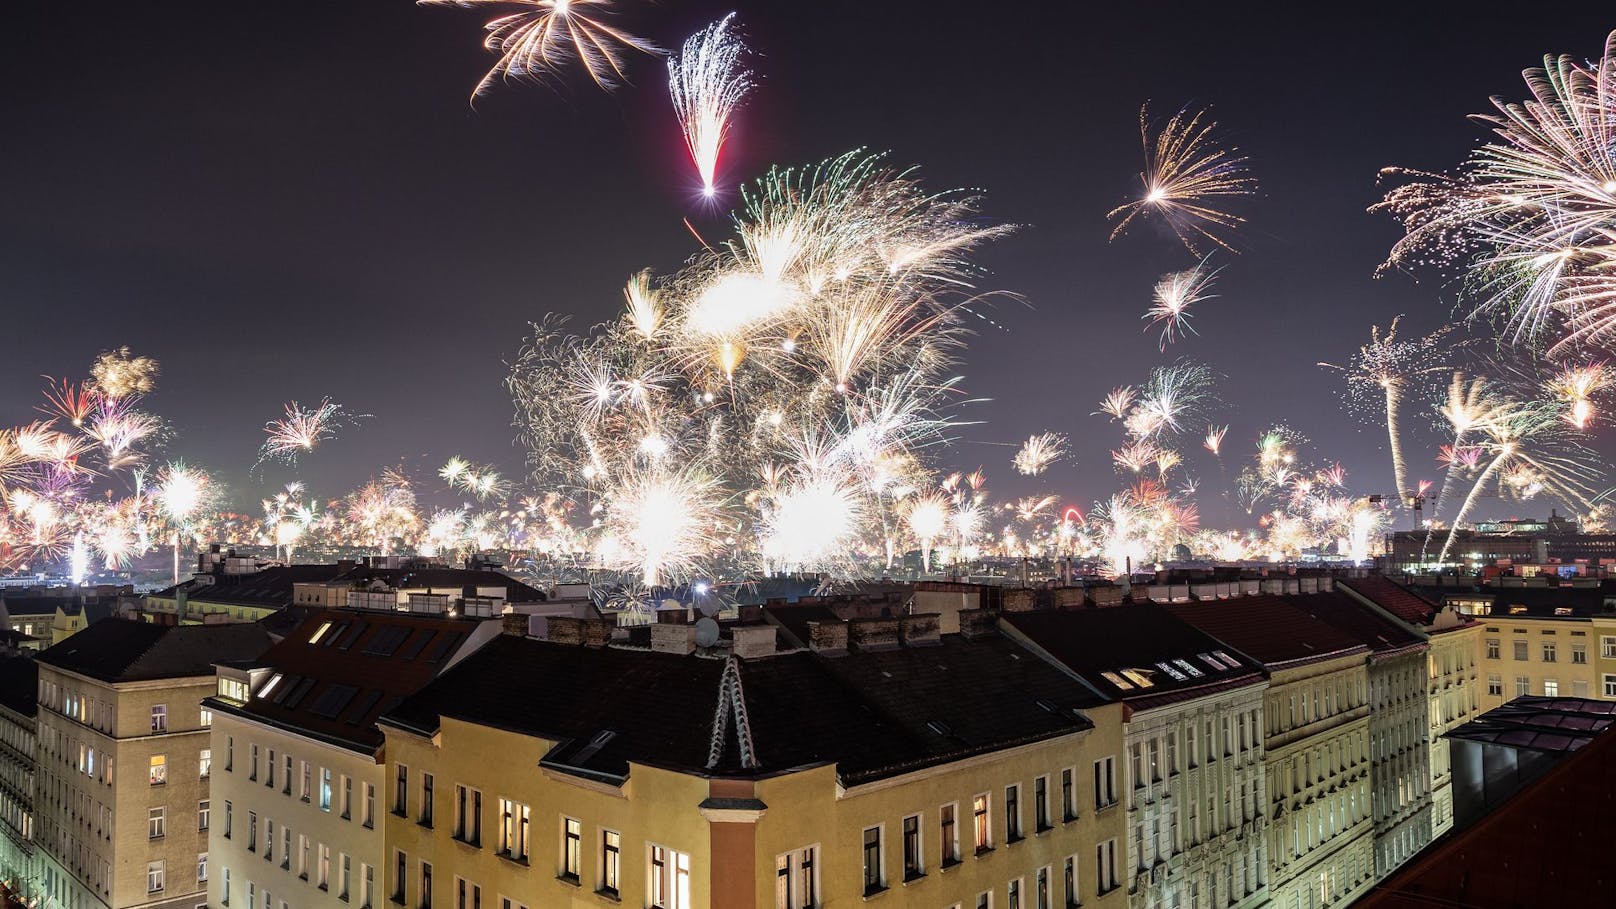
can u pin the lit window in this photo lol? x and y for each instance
(572, 835)
(611, 862)
(159, 769)
(159, 718)
(981, 824)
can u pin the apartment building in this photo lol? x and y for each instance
(1453, 692)
(124, 761)
(1541, 641)
(297, 790)
(885, 763)
(1193, 778)
(1315, 744)
(19, 684)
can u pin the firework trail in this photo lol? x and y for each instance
(1187, 176)
(1528, 218)
(544, 35)
(1175, 293)
(707, 83)
(1038, 453)
(182, 493)
(302, 429)
(1382, 370)
(1577, 386)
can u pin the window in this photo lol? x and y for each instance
(346, 864)
(229, 753)
(401, 792)
(468, 815)
(203, 810)
(400, 875)
(795, 886)
(154, 877)
(911, 848)
(984, 900)
(202, 868)
(159, 718)
(306, 783)
(286, 784)
(1549, 651)
(252, 831)
(205, 763)
(1105, 865)
(205, 718)
(1040, 804)
(1069, 878)
(1068, 795)
(269, 839)
(670, 878)
(948, 834)
(347, 796)
(426, 800)
(1607, 646)
(467, 894)
(325, 789)
(872, 860)
(1495, 684)
(156, 823)
(227, 819)
(1013, 891)
(159, 769)
(369, 816)
(1551, 688)
(322, 875)
(1012, 812)
(1523, 686)
(224, 887)
(269, 771)
(1579, 654)
(611, 862)
(513, 820)
(252, 771)
(572, 837)
(367, 885)
(982, 825)
(1579, 688)
(1520, 650)
(1105, 786)
(1610, 685)
(426, 885)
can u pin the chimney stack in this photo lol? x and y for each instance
(828, 638)
(671, 637)
(753, 640)
(977, 623)
(923, 630)
(873, 634)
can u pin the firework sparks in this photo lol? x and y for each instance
(1175, 293)
(708, 83)
(1577, 386)
(118, 374)
(1382, 370)
(544, 35)
(1214, 439)
(1186, 178)
(1038, 453)
(302, 429)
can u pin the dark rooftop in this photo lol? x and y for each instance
(1274, 630)
(119, 650)
(1363, 624)
(1136, 652)
(19, 685)
(1540, 723)
(872, 714)
(272, 587)
(1394, 598)
(1548, 845)
(339, 669)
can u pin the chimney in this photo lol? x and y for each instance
(514, 624)
(977, 623)
(1068, 597)
(1326, 584)
(595, 632)
(828, 638)
(1019, 599)
(1275, 586)
(670, 637)
(923, 630)
(1292, 585)
(1106, 596)
(873, 634)
(564, 629)
(753, 640)
(1309, 585)
(1204, 591)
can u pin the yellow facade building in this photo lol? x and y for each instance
(124, 763)
(882, 764)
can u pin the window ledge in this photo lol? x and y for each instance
(1013, 840)
(949, 864)
(1041, 831)
(570, 880)
(874, 892)
(911, 878)
(469, 844)
(505, 855)
(983, 850)
(610, 896)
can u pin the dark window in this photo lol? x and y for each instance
(413, 648)
(948, 835)
(386, 640)
(872, 859)
(1040, 802)
(911, 847)
(296, 695)
(331, 701)
(362, 709)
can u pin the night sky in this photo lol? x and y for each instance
(294, 199)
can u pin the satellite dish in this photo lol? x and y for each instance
(706, 633)
(709, 606)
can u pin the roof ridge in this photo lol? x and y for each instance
(731, 700)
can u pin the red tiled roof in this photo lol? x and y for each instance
(1549, 845)
(1394, 598)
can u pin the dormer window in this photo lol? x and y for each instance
(320, 632)
(1116, 680)
(1140, 677)
(1188, 667)
(269, 686)
(1174, 673)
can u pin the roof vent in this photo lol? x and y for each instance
(595, 744)
(940, 727)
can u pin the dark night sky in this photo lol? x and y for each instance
(293, 199)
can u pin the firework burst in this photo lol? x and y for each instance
(302, 429)
(1175, 293)
(1381, 371)
(1187, 177)
(707, 83)
(1038, 453)
(541, 36)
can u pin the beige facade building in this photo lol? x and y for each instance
(124, 763)
(1316, 744)
(1194, 776)
(298, 793)
(883, 763)
(19, 862)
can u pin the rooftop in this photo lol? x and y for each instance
(1363, 624)
(1277, 631)
(338, 670)
(1394, 598)
(1540, 723)
(19, 685)
(1136, 652)
(119, 650)
(872, 714)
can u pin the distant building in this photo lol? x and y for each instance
(49, 615)
(127, 695)
(885, 761)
